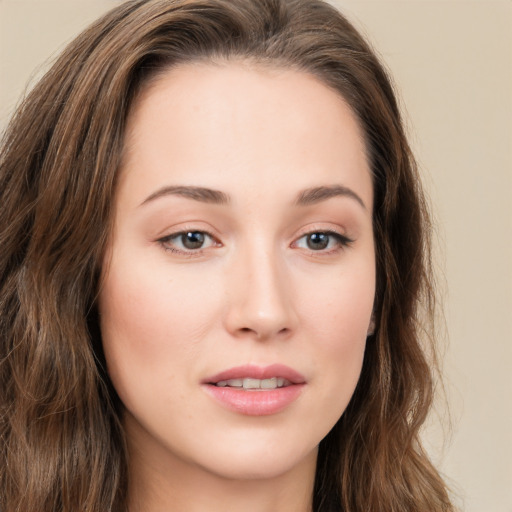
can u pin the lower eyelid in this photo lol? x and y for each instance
(336, 246)
(168, 240)
(342, 239)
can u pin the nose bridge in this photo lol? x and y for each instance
(260, 296)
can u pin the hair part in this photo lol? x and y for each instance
(61, 439)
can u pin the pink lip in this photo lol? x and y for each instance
(256, 402)
(257, 372)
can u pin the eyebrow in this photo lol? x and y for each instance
(317, 194)
(306, 197)
(202, 194)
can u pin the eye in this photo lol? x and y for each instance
(322, 241)
(187, 241)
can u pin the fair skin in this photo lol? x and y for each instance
(266, 169)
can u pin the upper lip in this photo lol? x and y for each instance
(257, 372)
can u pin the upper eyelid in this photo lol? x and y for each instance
(216, 239)
(185, 228)
(177, 234)
(321, 229)
(166, 243)
(343, 239)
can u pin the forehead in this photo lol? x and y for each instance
(203, 122)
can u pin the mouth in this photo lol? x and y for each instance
(256, 391)
(254, 384)
(251, 377)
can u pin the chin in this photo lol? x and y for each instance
(255, 463)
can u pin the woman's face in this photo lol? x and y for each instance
(242, 258)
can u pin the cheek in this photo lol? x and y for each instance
(148, 317)
(337, 318)
(340, 307)
(131, 319)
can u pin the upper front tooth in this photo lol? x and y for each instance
(269, 383)
(251, 383)
(248, 383)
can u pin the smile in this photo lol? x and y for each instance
(255, 384)
(254, 390)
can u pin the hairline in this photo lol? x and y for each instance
(153, 77)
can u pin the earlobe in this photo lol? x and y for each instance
(371, 327)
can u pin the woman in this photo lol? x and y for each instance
(214, 257)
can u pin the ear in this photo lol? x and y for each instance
(371, 327)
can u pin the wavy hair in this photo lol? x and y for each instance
(62, 445)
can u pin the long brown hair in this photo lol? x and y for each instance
(61, 440)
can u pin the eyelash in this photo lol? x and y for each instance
(191, 253)
(342, 242)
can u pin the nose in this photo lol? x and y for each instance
(260, 297)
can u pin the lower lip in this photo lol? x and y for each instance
(257, 402)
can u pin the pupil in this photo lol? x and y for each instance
(317, 241)
(192, 239)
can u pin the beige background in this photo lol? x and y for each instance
(452, 61)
